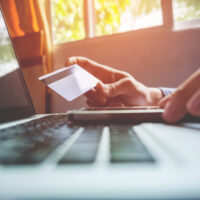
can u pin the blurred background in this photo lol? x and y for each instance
(114, 16)
(157, 41)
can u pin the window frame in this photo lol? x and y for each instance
(89, 22)
(188, 24)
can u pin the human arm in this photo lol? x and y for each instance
(186, 99)
(117, 88)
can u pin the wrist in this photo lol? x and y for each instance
(155, 95)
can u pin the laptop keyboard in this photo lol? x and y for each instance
(85, 148)
(34, 141)
(126, 146)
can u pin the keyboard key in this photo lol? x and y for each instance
(12, 132)
(44, 148)
(9, 156)
(80, 153)
(16, 144)
(32, 142)
(36, 155)
(126, 146)
(85, 147)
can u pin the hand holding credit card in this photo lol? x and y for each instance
(70, 82)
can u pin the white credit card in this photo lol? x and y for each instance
(70, 82)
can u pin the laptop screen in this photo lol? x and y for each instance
(15, 102)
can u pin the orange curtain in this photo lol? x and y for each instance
(41, 10)
(28, 16)
(12, 18)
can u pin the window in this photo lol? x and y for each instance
(67, 20)
(124, 15)
(79, 19)
(8, 61)
(185, 10)
(71, 19)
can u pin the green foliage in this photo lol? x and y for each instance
(192, 9)
(140, 7)
(108, 15)
(68, 16)
(5, 51)
(67, 19)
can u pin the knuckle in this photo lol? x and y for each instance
(126, 74)
(84, 61)
(70, 61)
(128, 82)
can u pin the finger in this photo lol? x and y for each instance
(125, 86)
(91, 103)
(96, 97)
(100, 87)
(92, 90)
(164, 101)
(102, 72)
(193, 105)
(115, 104)
(97, 93)
(112, 103)
(114, 91)
(175, 109)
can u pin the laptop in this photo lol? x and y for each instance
(48, 157)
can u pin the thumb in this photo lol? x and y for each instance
(121, 87)
(163, 102)
(71, 61)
